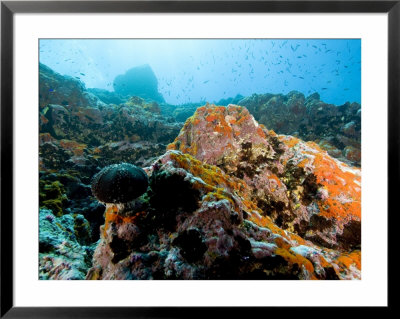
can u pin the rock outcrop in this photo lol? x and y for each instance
(298, 184)
(337, 129)
(232, 200)
(138, 81)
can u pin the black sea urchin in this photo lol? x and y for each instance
(119, 183)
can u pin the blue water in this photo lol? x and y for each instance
(210, 70)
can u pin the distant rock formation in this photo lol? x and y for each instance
(336, 129)
(138, 81)
(232, 200)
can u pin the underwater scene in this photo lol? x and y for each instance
(199, 159)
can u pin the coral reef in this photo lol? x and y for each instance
(207, 230)
(232, 200)
(297, 184)
(229, 199)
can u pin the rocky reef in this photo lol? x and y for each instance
(79, 135)
(336, 129)
(220, 196)
(138, 81)
(233, 200)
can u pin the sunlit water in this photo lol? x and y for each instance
(210, 70)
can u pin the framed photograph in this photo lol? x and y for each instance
(175, 158)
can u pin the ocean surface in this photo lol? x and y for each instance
(199, 70)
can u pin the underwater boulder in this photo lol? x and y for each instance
(119, 183)
(140, 81)
(290, 180)
(223, 236)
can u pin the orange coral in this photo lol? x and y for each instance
(290, 141)
(275, 178)
(293, 258)
(171, 146)
(346, 260)
(271, 132)
(260, 132)
(112, 216)
(211, 117)
(339, 183)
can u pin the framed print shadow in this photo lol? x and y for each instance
(215, 159)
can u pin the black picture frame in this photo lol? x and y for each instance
(9, 8)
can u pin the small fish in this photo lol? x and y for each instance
(51, 90)
(206, 81)
(324, 88)
(82, 74)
